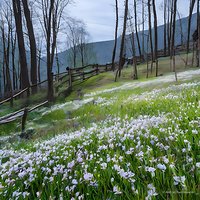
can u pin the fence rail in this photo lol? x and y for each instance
(69, 76)
(76, 76)
(20, 113)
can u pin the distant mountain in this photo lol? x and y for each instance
(102, 51)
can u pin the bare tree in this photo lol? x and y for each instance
(121, 56)
(198, 35)
(6, 34)
(136, 29)
(169, 23)
(52, 12)
(143, 27)
(172, 56)
(192, 3)
(21, 45)
(132, 41)
(76, 39)
(165, 27)
(150, 34)
(155, 36)
(82, 43)
(33, 48)
(116, 33)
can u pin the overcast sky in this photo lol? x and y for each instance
(99, 15)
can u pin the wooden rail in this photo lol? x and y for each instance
(20, 113)
(76, 76)
(69, 76)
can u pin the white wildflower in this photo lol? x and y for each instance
(161, 167)
(88, 176)
(116, 190)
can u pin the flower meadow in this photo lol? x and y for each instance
(153, 154)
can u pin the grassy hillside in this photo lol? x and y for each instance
(100, 82)
(120, 140)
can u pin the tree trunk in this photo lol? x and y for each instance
(198, 30)
(39, 65)
(121, 56)
(192, 2)
(14, 73)
(169, 27)
(57, 63)
(147, 76)
(33, 49)
(150, 34)
(22, 52)
(116, 33)
(6, 60)
(155, 36)
(165, 27)
(50, 94)
(173, 38)
(132, 39)
(136, 30)
(143, 26)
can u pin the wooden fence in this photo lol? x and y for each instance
(68, 77)
(71, 76)
(23, 113)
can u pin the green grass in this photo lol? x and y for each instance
(103, 148)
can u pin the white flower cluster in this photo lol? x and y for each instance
(113, 157)
(166, 93)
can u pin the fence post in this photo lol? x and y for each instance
(83, 75)
(70, 76)
(24, 117)
(11, 100)
(28, 92)
(97, 69)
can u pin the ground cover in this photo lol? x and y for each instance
(136, 143)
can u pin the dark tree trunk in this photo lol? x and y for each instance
(147, 75)
(58, 64)
(150, 34)
(121, 56)
(165, 27)
(136, 30)
(198, 30)
(14, 73)
(4, 76)
(6, 60)
(132, 40)
(50, 94)
(173, 38)
(33, 49)
(39, 65)
(116, 33)
(74, 55)
(22, 52)
(192, 2)
(169, 27)
(155, 37)
(143, 26)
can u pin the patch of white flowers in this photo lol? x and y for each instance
(171, 92)
(120, 154)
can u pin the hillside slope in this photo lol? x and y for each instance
(131, 143)
(102, 51)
